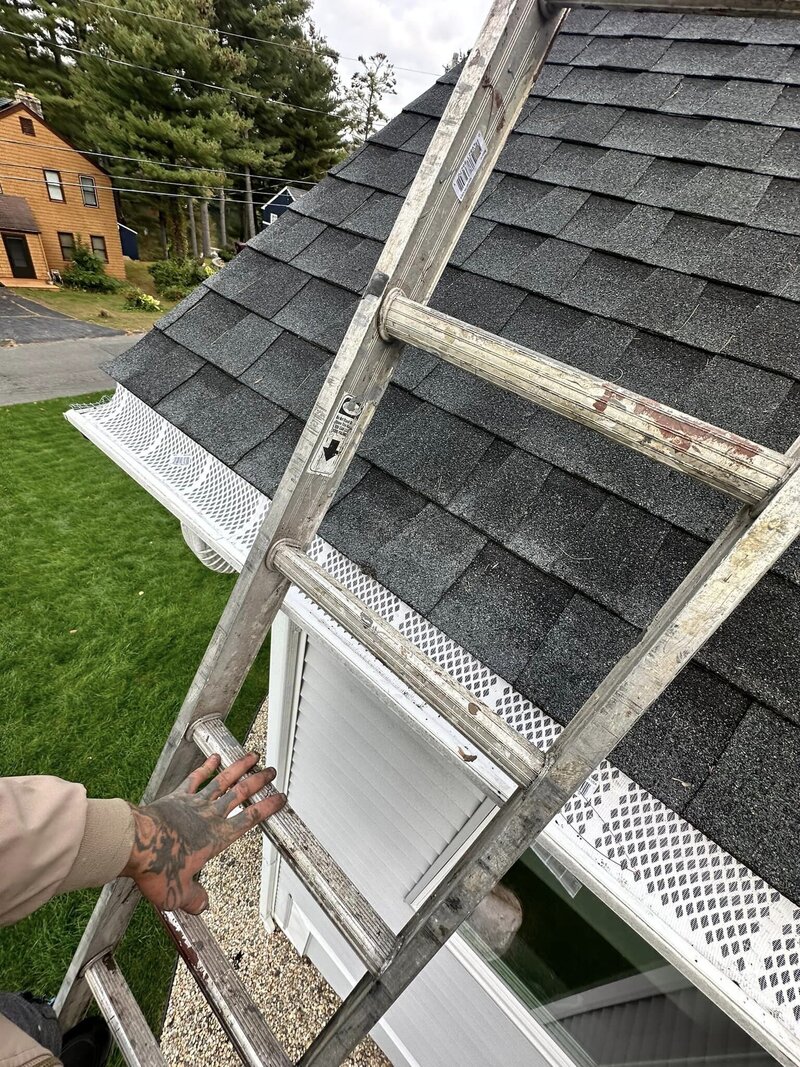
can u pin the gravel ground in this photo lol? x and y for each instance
(295, 998)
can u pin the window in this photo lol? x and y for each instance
(27, 127)
(601, 992)
(67, 242)
(99, 247)
(88, 190)
(55, 190)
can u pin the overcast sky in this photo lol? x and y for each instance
(422, 34)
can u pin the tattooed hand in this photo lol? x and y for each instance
(176, 835)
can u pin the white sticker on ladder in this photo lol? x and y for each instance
(326, 458)
(476, 153)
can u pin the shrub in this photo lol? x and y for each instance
(87, 271)
(178, 273)
(137, 300)
(175, 292)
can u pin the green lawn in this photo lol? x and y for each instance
(102, 309)
(105, 616)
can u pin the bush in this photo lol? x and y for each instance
(182, 274)
(87, 271)
(175, 292)
(137, 300)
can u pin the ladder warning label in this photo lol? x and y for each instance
(476, 153)
(326, 458)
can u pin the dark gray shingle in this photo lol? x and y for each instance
(153, 367)
(320, 312)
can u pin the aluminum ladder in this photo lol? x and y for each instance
(485, 104)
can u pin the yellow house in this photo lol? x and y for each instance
(51, 198)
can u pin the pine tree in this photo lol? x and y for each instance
(367, 88)
(162, 113)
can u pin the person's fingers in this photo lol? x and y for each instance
(193, 782)
(244, 789)
(253, 814)
(225, 779)
(196, 900)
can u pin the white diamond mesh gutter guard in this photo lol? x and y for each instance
(732, 934)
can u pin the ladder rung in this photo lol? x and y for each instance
(521, 760)
(349, 909)
(733, 464)
(779, 9)
(128, 1026)
(240, 1018)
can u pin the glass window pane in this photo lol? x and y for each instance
(67, 242)
(88, 191)
(599, 989)
(52, 180)
(99, 247)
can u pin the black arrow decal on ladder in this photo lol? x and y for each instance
(331, 449)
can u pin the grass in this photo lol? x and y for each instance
(102, 309)
(106, 616)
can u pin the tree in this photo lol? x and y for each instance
(163, 109)
(37, 51)
(363, 101)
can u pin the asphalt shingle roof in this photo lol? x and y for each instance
(643, 222)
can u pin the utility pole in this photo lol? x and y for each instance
(192, 228)
(250, 216)
(223, 226)
(205, 228)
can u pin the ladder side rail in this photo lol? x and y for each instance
(774, 9)
(714, 588)
(481, 724)
(238, 1015)
(106, 928)
(349, 910)
(494, 84)
(722, 459)
(125, 1020)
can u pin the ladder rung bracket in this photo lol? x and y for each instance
(732, 464)
(118, 1006)
(349, 909)
(487, 730)
(238, 1015)
(774, 9)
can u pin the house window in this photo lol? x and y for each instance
(27, 127)
(88, 190)
(67, 242)
(595, 986)
(55, 190)
(99, 247)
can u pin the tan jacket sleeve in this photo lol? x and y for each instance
(53, 839)
(19, 1050)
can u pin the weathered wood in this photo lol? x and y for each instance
(777, 9)
(712, 590)
(492, 735)
(104, 931)
(124, 1016)
(348, 909)
(733, 464)
(238, 1015)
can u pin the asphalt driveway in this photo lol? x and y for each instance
(42, 371)
(24, 321)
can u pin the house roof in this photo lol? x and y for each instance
(643, 223)
(15, 214)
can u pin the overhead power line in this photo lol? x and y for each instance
(172, 77)
(327, 54)
(158, 162)
(120, 189)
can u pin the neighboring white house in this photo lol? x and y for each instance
(657, 920)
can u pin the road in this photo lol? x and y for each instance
(58, 368)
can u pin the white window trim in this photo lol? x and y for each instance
(88, 178)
